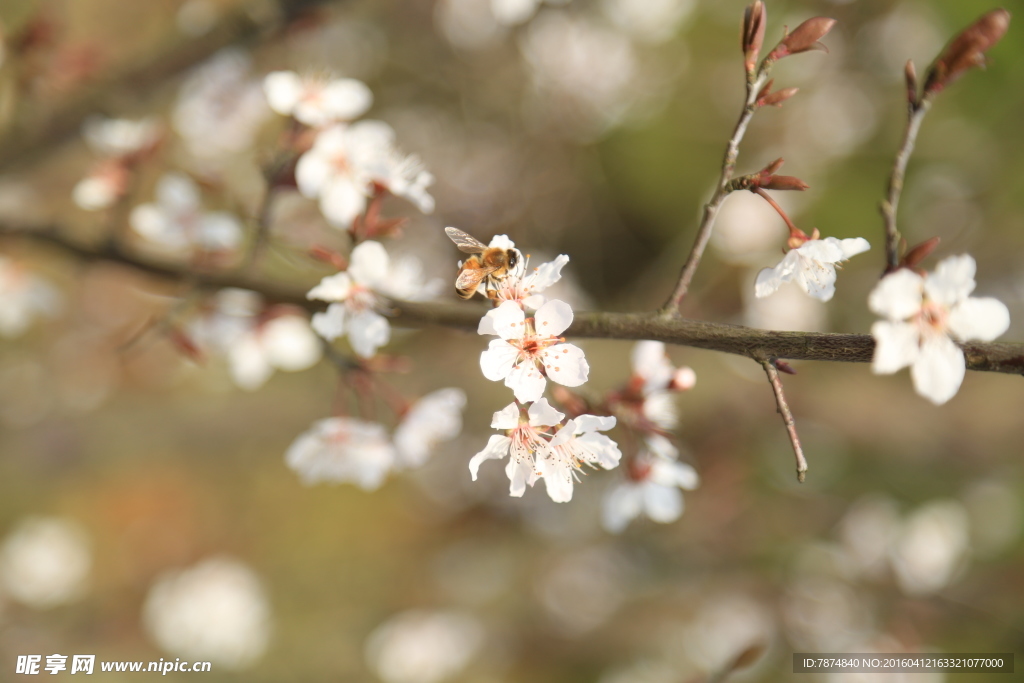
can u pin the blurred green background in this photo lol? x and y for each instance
(582, 132)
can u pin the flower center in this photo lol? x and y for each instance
(933, 317)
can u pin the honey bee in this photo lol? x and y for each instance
(487, 265)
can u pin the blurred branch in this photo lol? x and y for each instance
(35, 133)
(787, 417)
(743, 341)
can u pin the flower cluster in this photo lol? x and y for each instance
(646, 404)
(121, 144)
(344, 449)
(348, 164)
(539, 441)
(177, 223)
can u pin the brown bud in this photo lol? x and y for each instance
(910, 76)
(777, 98)
(329, 256)
(755, 17)
(919, 253)
(784, 182)
(967, 50)
(773, 167)
(803, 38)
(783, 366)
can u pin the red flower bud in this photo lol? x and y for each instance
(777, 98)
(805, 37)
(773, 167)
(920, 253)
(967, 50)
(784, 182)
(910, 75)
(755, 17)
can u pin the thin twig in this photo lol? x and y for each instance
(707, 223)
(915, 115)
(752, 343)
(787, 418)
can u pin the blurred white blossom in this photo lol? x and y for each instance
(220, 108)
(24, 296)
(434, 418)
(931, 547)
(355, 294)
(316, 100)
(121, 137)
(44, 562)
(652, 21)
(284, 342)
(652, 488)
(924, 315)
(177, 222)
(423, 647)
(216, 611)
(342, 450)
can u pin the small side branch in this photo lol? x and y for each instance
(707, 222)
(890, 204)
(787, 417)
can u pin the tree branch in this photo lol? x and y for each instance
(787, 417)
(749, 342)
(36, 133)
(915, 115)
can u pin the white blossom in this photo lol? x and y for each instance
(423, 647)
(525, 440)
(120, 137)
(812, 266)
(650, 397)
(434, 418)
(216, 611)
(177, 222)
(924, 316)
(355, 294)
(103, 185)
(346, 162)
(342, 449)
(220, 108)
(315, 100)
(530, 350)
(652, 490)
(523, 286)
(44, 562)
(285, 342)
(23, 297)
(576, 443)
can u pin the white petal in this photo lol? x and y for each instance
(662, 504)
(898, 295)
(621, 506)
(341, 201)
(828, 250)
(330, 324)
(153, 223)
(558, 479)
(897, 345)
(499, 358)
(502, 241)
(854, 246)
(600, 450)
(219, 231)
(335, 287)
(369, 263)
(670, 473)
(282, 89)
(347, 98)
(649, 360)
(566, 364)
(508, 320)
(486, 325)
(768, 281)
(660, 408)
(818, 279)
(526, 382)
(939, 369)
(553, 318)
(249, 366)
(519, 475)
(506, 418)
(312, 173)
(546, 274)
(368, 331)
(661, 447)
(543, 415)
(93, 193)
(290, 344)
(594, 423)
(496, 449)
(952, 281)
(177, 192)
(979, 318)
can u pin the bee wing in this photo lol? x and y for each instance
(470, 278)
(465, 242)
